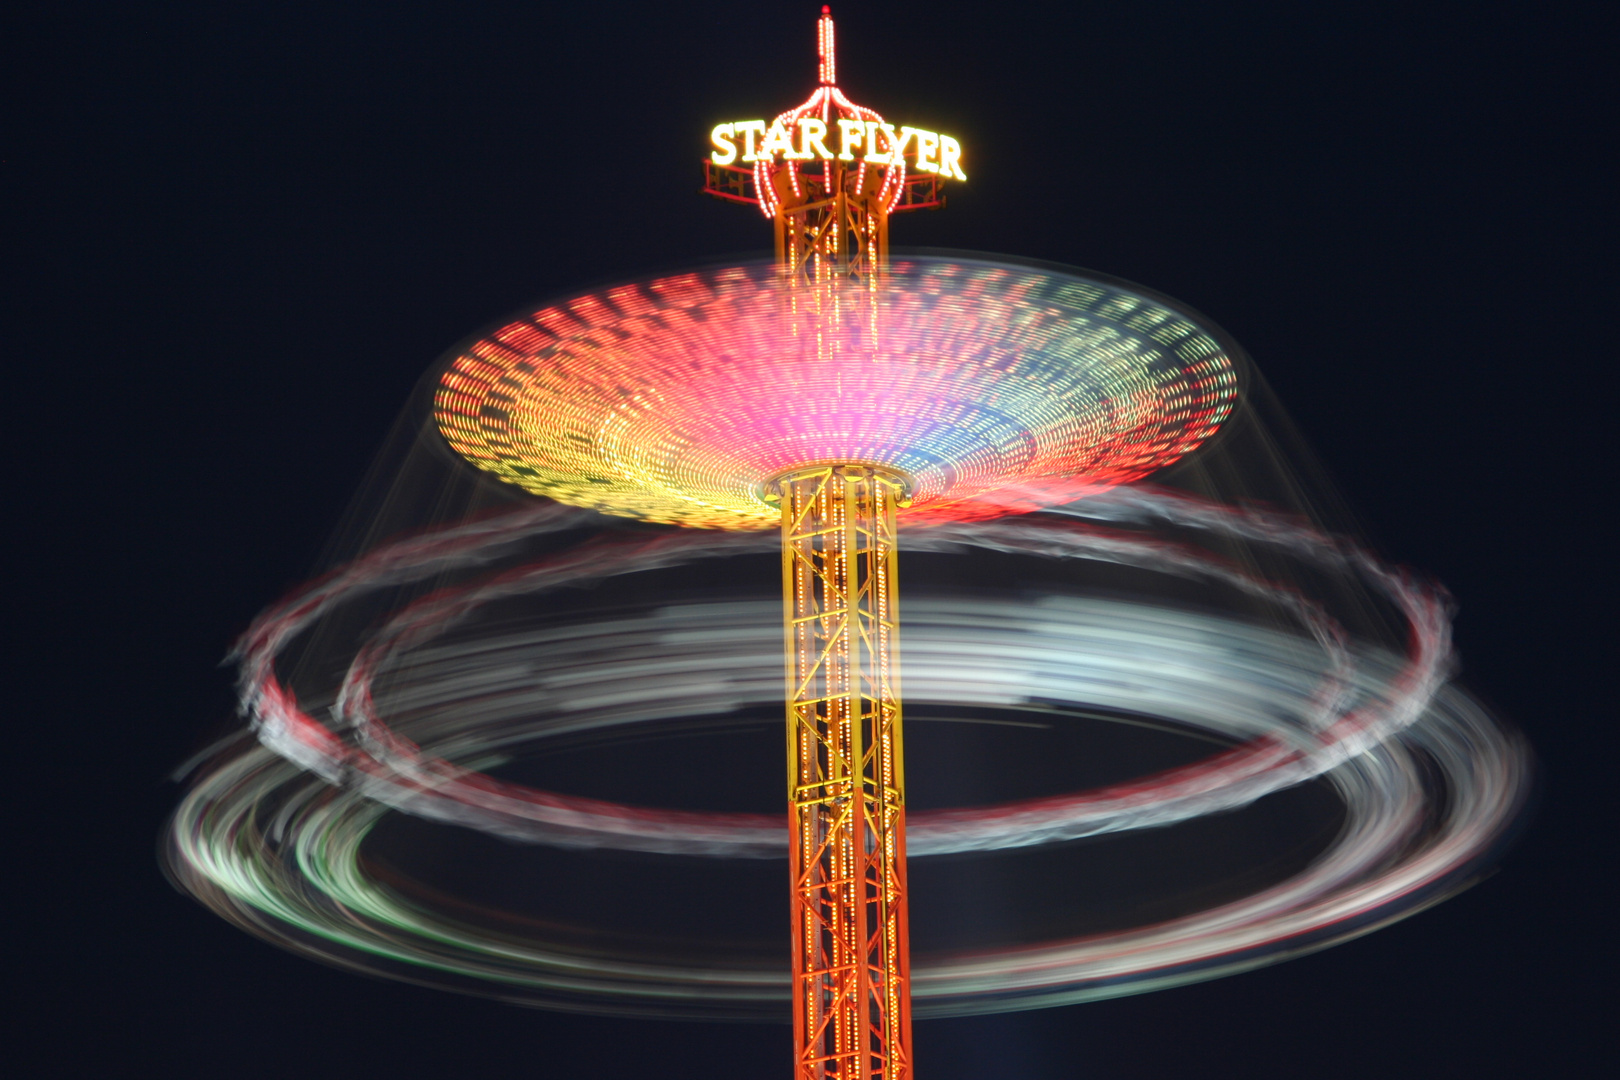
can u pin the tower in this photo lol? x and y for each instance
(846, 772)
(828, 173)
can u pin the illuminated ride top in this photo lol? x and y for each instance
(821, 393)
(829, 173)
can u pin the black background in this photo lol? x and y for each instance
(243, 230)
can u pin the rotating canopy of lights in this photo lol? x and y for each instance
(993, 387)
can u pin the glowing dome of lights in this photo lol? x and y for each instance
(995, 387)
(828, 104)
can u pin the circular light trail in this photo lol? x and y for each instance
(271, 835)
(996, 387)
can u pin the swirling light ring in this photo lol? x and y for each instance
(1337, 725)
(1298, 707)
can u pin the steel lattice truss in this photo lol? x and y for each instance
(851, 1000)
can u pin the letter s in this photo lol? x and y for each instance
(725, 151)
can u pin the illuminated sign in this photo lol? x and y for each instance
(809, 138)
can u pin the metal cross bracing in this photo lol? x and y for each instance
(834, 225)
(809, 239)
(846, 780)
(851, 999)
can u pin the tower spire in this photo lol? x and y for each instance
(824, 48)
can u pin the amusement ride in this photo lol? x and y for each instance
(850, 398)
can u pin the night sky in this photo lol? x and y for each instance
(243, 230)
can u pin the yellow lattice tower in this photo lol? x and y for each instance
(829, 173)
(846, 772)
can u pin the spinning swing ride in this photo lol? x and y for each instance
(833, 394)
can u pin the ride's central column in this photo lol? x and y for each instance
(846, 775)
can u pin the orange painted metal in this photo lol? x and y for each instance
(846, 775)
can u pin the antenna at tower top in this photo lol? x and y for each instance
(824, 47)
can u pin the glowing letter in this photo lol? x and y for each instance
(725, 151)
(776, 142)
(851, 133)
(927, 146)
(950, 157)
(906, 135)
(749, 129)
(873, 155)
(811, 132)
